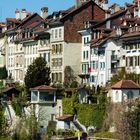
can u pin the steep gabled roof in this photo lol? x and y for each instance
(125, 84)
(79, 8)
(29, 18)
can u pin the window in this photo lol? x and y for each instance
(86, 54)
(138, 60)
(56, 49)
(116, 96)
(102, 65)
(61, 49)
(95, 51)
(84, 40)
(135, 59)
(85, 68)
(52, 77)
(52, 34)
(130, 94)
(53, 47)
(87, 39)
(92, 79)
(59, 61)
(126, 61)
(60, 33)
(34, 95)
(48, 57)
(55, 33)
(130, 61)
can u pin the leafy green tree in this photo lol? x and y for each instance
(3, 73)
(74, 84)
(123, 75)
(37, 74)
(69, 76)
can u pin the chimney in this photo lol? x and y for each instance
(23, 14)
(17, 14)
(80, 2)
(44, 12)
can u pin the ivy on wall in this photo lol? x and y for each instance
(88, 114)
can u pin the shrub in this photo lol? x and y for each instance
(74, 84)
(16, 107)
(51, 129)
(65, 133)
(105, 134)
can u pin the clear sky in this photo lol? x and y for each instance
(8, 7)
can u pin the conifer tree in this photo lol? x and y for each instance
(37, 74)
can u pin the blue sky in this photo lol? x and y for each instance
(7, 7)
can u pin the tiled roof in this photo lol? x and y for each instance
(39, 30)
(29, 17)
(65, 117)
(43, 87)
(97, 42)
(13, 20)
(131, 34)
(125, 84)
(34, 24)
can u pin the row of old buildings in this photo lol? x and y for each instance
(91, 37)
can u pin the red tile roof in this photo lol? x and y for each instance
(65, 117)
(43, 87)
(125, 84)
